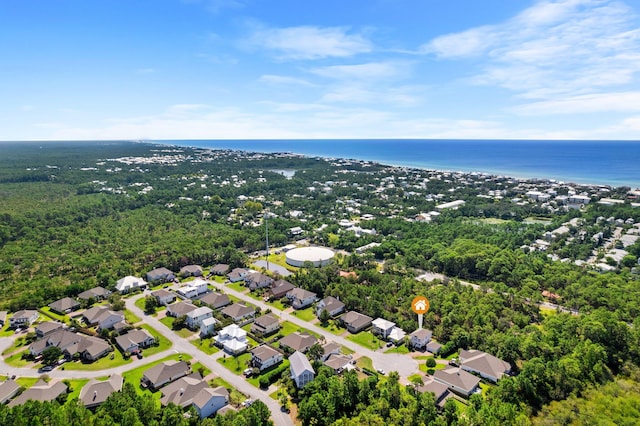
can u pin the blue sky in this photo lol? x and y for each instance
(228, 69)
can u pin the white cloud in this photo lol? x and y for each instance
(284, 80)
(366, 71)
(215, 6)
(597, 102)
(564, 54)
(309, 42)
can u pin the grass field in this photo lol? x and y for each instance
(305, 314)
(16, 360)
(366, 339)
(46, 311)
(197, 366)
(235, 396)
(131, 318)
(101, 364)
(184, 332)
(205, 345)
(27, 382)
(140, 303)
(402, 349)
(365, 362)
(333, 328)
(236, 364)
(238, 286)
(75, 386)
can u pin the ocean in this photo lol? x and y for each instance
(614, 163)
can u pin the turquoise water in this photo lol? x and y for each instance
(615, 163)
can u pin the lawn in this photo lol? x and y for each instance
(423, 367)
(130, 317)
(6, 332)
(75, 387)
(277, 304)
(16, 360)
(197, 366)
(288, 328)
(101, 364)
(365, 362)
(140, 303)
(235, 396)
(306, 314)
(236, 364)
(205, 345)
(183, 332)
(134, 376)
(46, 311)
(27, 382)
(19, 343)
(163, 342)
(333, 328)
(485, 388)
(238, 286)
(402, 349)
(366, 339)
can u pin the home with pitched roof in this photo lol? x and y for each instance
(129, 284)
(220, 269)
(102, 316)
(232, 339)
(301, 370)
(166, 372)
(135, 340)
(279, 289)
(333, 306)
(265, 325)
(237, 274)
(297, 341)
(41, 391)
(355, 321)
(96, 391)
(96, 293)
(457, 380)
(239, 313)
(264, 356)
(164, 297)
(23, 318)
(191, 271)
(64, 306)
(419, 338)
(8, 389)
(180, 309)
(257, 280)
(382, 327)
(215, 300)
(484, 364)
(439, 390)
(160, 275)
(209, 400)
(195, 317)
(301, 298)
(46, 328)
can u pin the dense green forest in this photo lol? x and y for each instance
(75, 215)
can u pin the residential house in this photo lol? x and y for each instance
(232, 339)
(220, 269)
(301, 298)
(164, 297)
(329, 349)
(180, 309)
(96, 293)
(96, 392)
(297, 341)
(237, 274)
(160, 275)
(129, 284)
(301, 370)
(434, 347)
(191, 271)
(60, 338)
(194, 289)
(208, 326)
(8, 389)
(330, 304)
(135, 340)
(257, 280)
(64, 305)
(355, 321)
(396, 335)
(439, 390)
(382, 327)
(102, 316)
(265, 325)
(239, 313)
(88, 348)
(23, 318)
(3, 318)
(419, 338)
(279, 289)
(208, 401)
(166, 372)
(182, 391)
(264, 356)
(338, 363)
(215, 300)
(457, 380)
(45, 328)
(484, 364)
(41, 391)
(195, 317)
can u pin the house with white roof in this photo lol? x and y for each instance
(382, 327)
(232, 339)
(420, 338)
(130, 283)
(208, 326)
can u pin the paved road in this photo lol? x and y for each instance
(403, 364)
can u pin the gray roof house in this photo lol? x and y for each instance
(301, 370)
(420, 338)
(239, 312)
(8, 389)
(257, 280)
(301, 298)
(163, 373)
(96, 293)
(439, 390)
(102, 316)
(264, 356)
(208, 401)
(458, 380)
(64, 305)
(182, 391)
(486, 365)
(135, 340)
(280, 288)
(96, 392)
(45, 328)
(41, 391)
(220, 269)
(355, 321)
(180, 309)
(299, 342)
(265, 325)
(164, 297)
(3, 318)
(332, 305)
(160, 275)
(215, 300)
(25, 317)
(191, 271)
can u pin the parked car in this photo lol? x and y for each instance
(381, 371)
